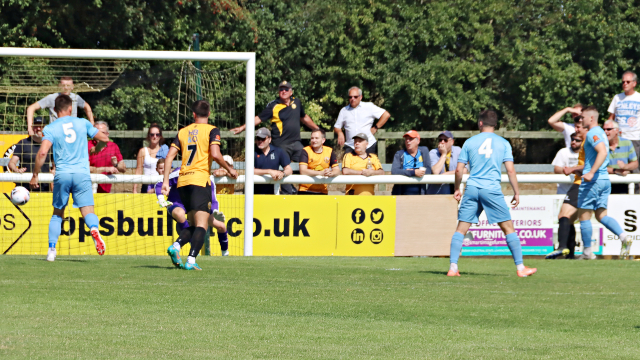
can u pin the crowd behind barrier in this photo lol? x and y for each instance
(280, 153)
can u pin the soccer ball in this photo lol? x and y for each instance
(20, 195)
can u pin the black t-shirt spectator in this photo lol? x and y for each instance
(27, 150)
(275, 159)
(285, 120)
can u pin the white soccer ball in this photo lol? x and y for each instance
(20, 195)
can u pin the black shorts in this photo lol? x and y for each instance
(196, 198)
(572, 196)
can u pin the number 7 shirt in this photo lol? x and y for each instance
(485, 154)
(193, 144)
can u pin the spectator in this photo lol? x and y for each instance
(48, 102)
(25, 152)
(317, 160)
(146, 160)
(444, 161)
(560, 126)
(105, 158)
(412, 161)
(359, 162)
(224, 188)
(358, 118)
(622, 156)
(268, 160)
(567, 157)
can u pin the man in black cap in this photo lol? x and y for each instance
(444, 160)
(25, 152)
(285, 113)
(268, 160)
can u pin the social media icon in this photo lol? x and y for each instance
(377, 216)
(358, 216)
(376, 236)
(357, 236)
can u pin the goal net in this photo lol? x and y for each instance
(130, 95)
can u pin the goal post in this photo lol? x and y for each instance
(247, 57)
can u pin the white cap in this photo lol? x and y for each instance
(228, 159)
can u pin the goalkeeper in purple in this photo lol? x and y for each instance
(177, 210)
(596, 187)
(485, 153)
(68, 138)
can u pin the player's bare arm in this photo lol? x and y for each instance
(513, 179)
(306, 121)
(31, 110)
(88, 112)
(340, 135)
(556, 119)
(304, 170)
(167, 170)
(214, 150)
(41, 157)
(458, 180)
(13, 165)
(603, 153)
(383, 120)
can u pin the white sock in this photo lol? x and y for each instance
(52, 249)
(176, 245)
(587, 251)
(191, 260)
(623, 236)
(520, 267)
(453, 267)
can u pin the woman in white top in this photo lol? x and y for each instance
(147, 159)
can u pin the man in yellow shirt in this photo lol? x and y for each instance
(359, 162)
(317, 160)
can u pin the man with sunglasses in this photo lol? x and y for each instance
(268, 160)
(625, 110)
(444, 160)
(567, 157)
(622, 156)
(359, 117)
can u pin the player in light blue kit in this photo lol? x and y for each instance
(68, 137)
(596, 187)
(485, 154)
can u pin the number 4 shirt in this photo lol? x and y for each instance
(193, 143)
(485, 154)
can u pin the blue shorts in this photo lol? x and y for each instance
(594, 194)
(77, 184)
(490, 200)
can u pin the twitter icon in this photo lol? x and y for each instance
(377, 216)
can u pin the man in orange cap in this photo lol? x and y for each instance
(412, 161)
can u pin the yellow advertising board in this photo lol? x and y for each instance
(134, 224)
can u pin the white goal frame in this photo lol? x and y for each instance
(247, 57)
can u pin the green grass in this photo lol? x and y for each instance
(316, 308)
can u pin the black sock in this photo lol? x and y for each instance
(197, 240)
(564, 229)
(224, 241)
(185, 236)
(572, 240)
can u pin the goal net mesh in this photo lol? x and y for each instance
(130, 223)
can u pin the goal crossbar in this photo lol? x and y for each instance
(248, 57)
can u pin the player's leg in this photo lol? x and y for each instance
(571, 244)
(197, 238)
(217, 221)
(565, 225)
(586, 231)
(62, 185)
(83, 198)
(613, 226)
(470, 209)
(178, 213)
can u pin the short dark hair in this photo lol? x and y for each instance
(575, 134)
(63, 102)
(578, 105)
(488, 118)
(201, 108)
(66, 78)
(577, 119)
(321, 131)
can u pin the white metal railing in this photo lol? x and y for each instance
(631, 179)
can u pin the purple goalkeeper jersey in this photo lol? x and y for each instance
(174, 196)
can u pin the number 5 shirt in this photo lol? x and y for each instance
(69, 138)
(193, 143)
(485, 154)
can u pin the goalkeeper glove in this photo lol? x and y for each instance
(163, 202)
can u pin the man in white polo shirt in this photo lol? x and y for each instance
(359, 117)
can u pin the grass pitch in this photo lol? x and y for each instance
(316, 308)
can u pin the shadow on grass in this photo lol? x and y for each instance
(156, 267)
(462, 273)
(63, 259)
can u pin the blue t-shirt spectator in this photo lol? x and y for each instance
(406, 164)
(450, 165)
(162, 152)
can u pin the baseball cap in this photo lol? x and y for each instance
(285, 84)
(263, 133)
(412, 134)
(362, 136)
(228, 159)
(446, 133)
(37, 120)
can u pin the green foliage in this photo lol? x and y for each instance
(432, 64)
